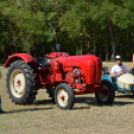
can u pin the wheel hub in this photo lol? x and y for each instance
(105, 94)
(62, 97)
(17, 83)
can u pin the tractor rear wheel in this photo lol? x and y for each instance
(107, 95)
(64, 96)
(22, 82)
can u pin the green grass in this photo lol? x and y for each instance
(86, 117)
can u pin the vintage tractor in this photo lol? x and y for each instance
(60, 74)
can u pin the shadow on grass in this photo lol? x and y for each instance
(122, 103)
(80, 108)
(24, 110)
(36, 103)
(43, 102)
(92, 101)
(125, 96)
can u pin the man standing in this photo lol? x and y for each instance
(118, 68)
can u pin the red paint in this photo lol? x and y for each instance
(57, 66)
(22, 56)
(62, 97)
(58, 54)
(19, 83)
(87, 92)
(62, 71)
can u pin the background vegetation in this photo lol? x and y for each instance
(100, 27)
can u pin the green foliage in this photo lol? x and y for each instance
(85, 26)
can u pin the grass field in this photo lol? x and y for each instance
(86, 117)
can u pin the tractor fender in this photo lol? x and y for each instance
(22, 56)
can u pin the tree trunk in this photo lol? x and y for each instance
(81, 48)
(113, 42)
(100, 50)
(54, 32)
(106, 48)
(92, 41)
(28, 48)
(106, 56)
(27, 37)
(88, 46)
(43, 50)
(82, 45)
(76, 49)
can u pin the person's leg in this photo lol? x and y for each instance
(0, 75)
(133, 71)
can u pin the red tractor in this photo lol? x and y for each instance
(60, 74)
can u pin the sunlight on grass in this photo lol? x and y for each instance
(44, 117)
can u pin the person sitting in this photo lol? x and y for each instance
(118, 68)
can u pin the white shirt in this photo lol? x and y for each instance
(116, 69)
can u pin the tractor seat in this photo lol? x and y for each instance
(43, 62)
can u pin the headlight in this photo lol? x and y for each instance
(77, 71)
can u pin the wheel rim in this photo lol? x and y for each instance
(105, 94)
(62, 97)
(17, 83)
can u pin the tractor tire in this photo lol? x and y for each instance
(22, 82)
(64, 96)
(50, 91)
(108, 94)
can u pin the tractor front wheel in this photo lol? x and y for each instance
(64, 96)
(106, 97)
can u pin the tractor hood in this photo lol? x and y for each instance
(90, 65)
(77, 60)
